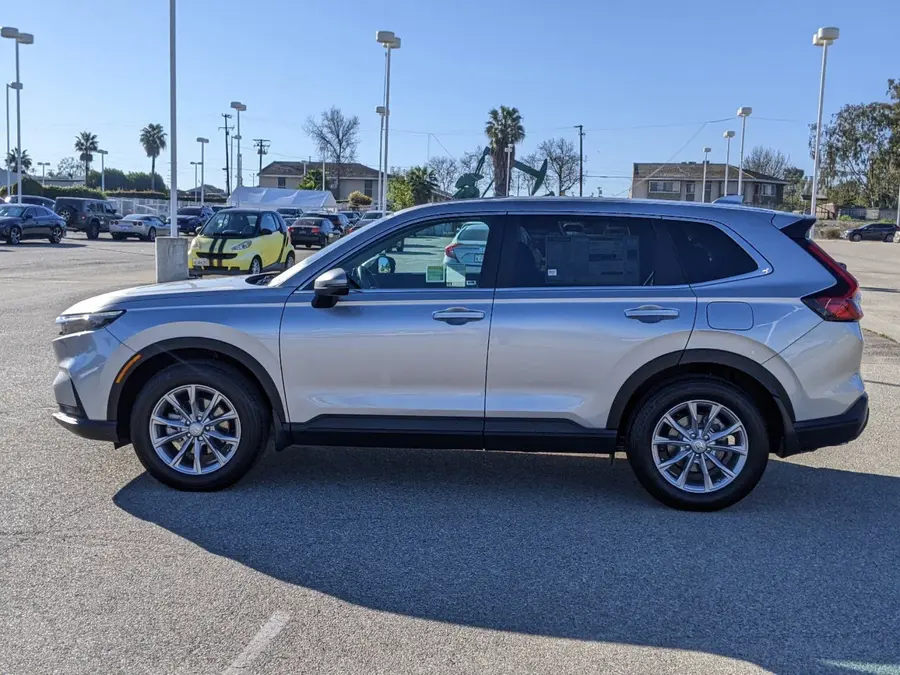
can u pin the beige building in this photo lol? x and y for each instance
(353, 177)
(684, 182)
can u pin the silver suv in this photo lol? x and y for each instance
(696, 338)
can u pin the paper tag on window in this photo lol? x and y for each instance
(434, 274)
(551, 273)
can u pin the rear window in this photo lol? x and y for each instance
(476, 232)
(706, 253)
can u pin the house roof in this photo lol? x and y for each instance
(694, 171)
(346, 169)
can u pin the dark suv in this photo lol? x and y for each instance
(873, 232)
(91, 216)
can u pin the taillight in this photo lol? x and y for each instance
(450, 251)
(841, 301)
(315, 230)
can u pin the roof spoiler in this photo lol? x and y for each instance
(796, 226)
(730, 199)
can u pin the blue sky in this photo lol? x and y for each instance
(642, 77)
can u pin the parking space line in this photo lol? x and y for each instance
(258, 644)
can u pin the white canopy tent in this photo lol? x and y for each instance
(267, 197)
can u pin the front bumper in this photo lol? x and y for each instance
(809, 435)
(94, 430)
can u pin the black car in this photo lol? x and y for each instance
(338, 220)
(192, 217)
(311, 231)
(873, 232)
(290, 213)
(91, 216)
(32, 199)
(25, 221)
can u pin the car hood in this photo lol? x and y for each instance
(160, 294)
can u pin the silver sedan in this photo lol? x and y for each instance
(142, 226)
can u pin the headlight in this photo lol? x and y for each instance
(78, 323)
(195, 243)
(243, 246)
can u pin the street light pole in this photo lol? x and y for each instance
(195, 165)
(103, 154)
(706, 152)
(173, 138)
(380, 111)
(743, 113)
(14, 85)
(508, 150)
(823, 38)
(202, 141)
(239, 107)
(728, 135)
(43, 166)
(21, 39)
(390, 41)
(580, 128)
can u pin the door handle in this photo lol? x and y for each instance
(457, 316)
(652, 313)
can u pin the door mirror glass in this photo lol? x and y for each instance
(265, 231)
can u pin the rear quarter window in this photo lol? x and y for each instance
(707, 253)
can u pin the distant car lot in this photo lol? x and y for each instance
(360, 561)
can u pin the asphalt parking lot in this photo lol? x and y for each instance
(369, 561)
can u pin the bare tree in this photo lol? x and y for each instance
(534, 160)
(446, 171)
(336, 137)
(562, 163)
(768, 161)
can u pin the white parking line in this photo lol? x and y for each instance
(259, 643)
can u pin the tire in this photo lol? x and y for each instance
(648, 422)
(93, 230)
(255, 265)
(855, 237)
(289, 260)
(308, 245)
(249, 426)
(118, 236)
(323, 242)
(56, 235)
(151, 234)
(15, 235)
(889, 239)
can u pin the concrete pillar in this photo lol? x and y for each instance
(171, 259)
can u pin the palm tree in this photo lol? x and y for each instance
(153, 138)
(422, 183)
(504, 128)
(86, 143)
(13, 165)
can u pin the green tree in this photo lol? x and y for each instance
(399, 194)
(86, 144)
(115, 179)
(503, 129)
(143, 181)
(357, 199)
(793, 191)
(422, 184)
(12, 161)
(312, 180)
(153, 140)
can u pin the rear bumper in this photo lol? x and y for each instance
(307, 239)
(811, 435)
(94, 430)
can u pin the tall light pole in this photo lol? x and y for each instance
(202, 141)
(173, 138)
(580, 128)
(13, 85)
(379, 110)
(706, 152)
(43, 166)
(508, 150)
(195, 165)
(390, 41)
(103, 154)
(21, 39)
(743, 113)
(728, 135)
(239, 107)
(824, 38)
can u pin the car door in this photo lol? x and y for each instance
(32, 228)
(272, 244)
(583, 301)
(401, 360)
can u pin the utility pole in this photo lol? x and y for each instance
(262, 148)
(580, 128)
(227, 129)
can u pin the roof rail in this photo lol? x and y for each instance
(730, 199)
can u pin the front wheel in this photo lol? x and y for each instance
(255, 265)
(15, 235)
(56, 235)
(698, 444)
(151, 234)
(199, 425)
(855, 237)
(323, 242)
(93, 230)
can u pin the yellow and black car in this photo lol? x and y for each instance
(241, 241)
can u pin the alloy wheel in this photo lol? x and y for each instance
(15, 235)
(56, 236)
(195, 429)
(255, 266)
(700, 446)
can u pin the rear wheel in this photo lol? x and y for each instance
(151, 234)
(889, 239)
(93, 230)
(698, 444)
(15, 235)
(199, 425)
(289, 260)
(56, 235)
(255, 265)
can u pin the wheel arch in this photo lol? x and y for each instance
(161, 354)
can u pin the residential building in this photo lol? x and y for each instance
(353, 177)
(683, 182)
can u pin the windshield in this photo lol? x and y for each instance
(12, 211)
(232, 224)
(371, 215)
(190, 211)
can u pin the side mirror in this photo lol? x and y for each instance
(265, 231)
(199, 229)
(332, 283)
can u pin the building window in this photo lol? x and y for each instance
(767, 190)
(707, 193)
(669, 186)
(281, 181)
(369, 188)
(689, 192)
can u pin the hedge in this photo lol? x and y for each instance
(32, 187)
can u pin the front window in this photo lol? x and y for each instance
(767, 190)
(12, 211)
(369, 188)
(232, 224)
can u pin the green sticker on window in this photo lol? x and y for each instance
(434, 274)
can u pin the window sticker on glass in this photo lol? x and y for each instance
(434, 274)
(456, 275)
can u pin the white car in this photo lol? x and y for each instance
(467, 248)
